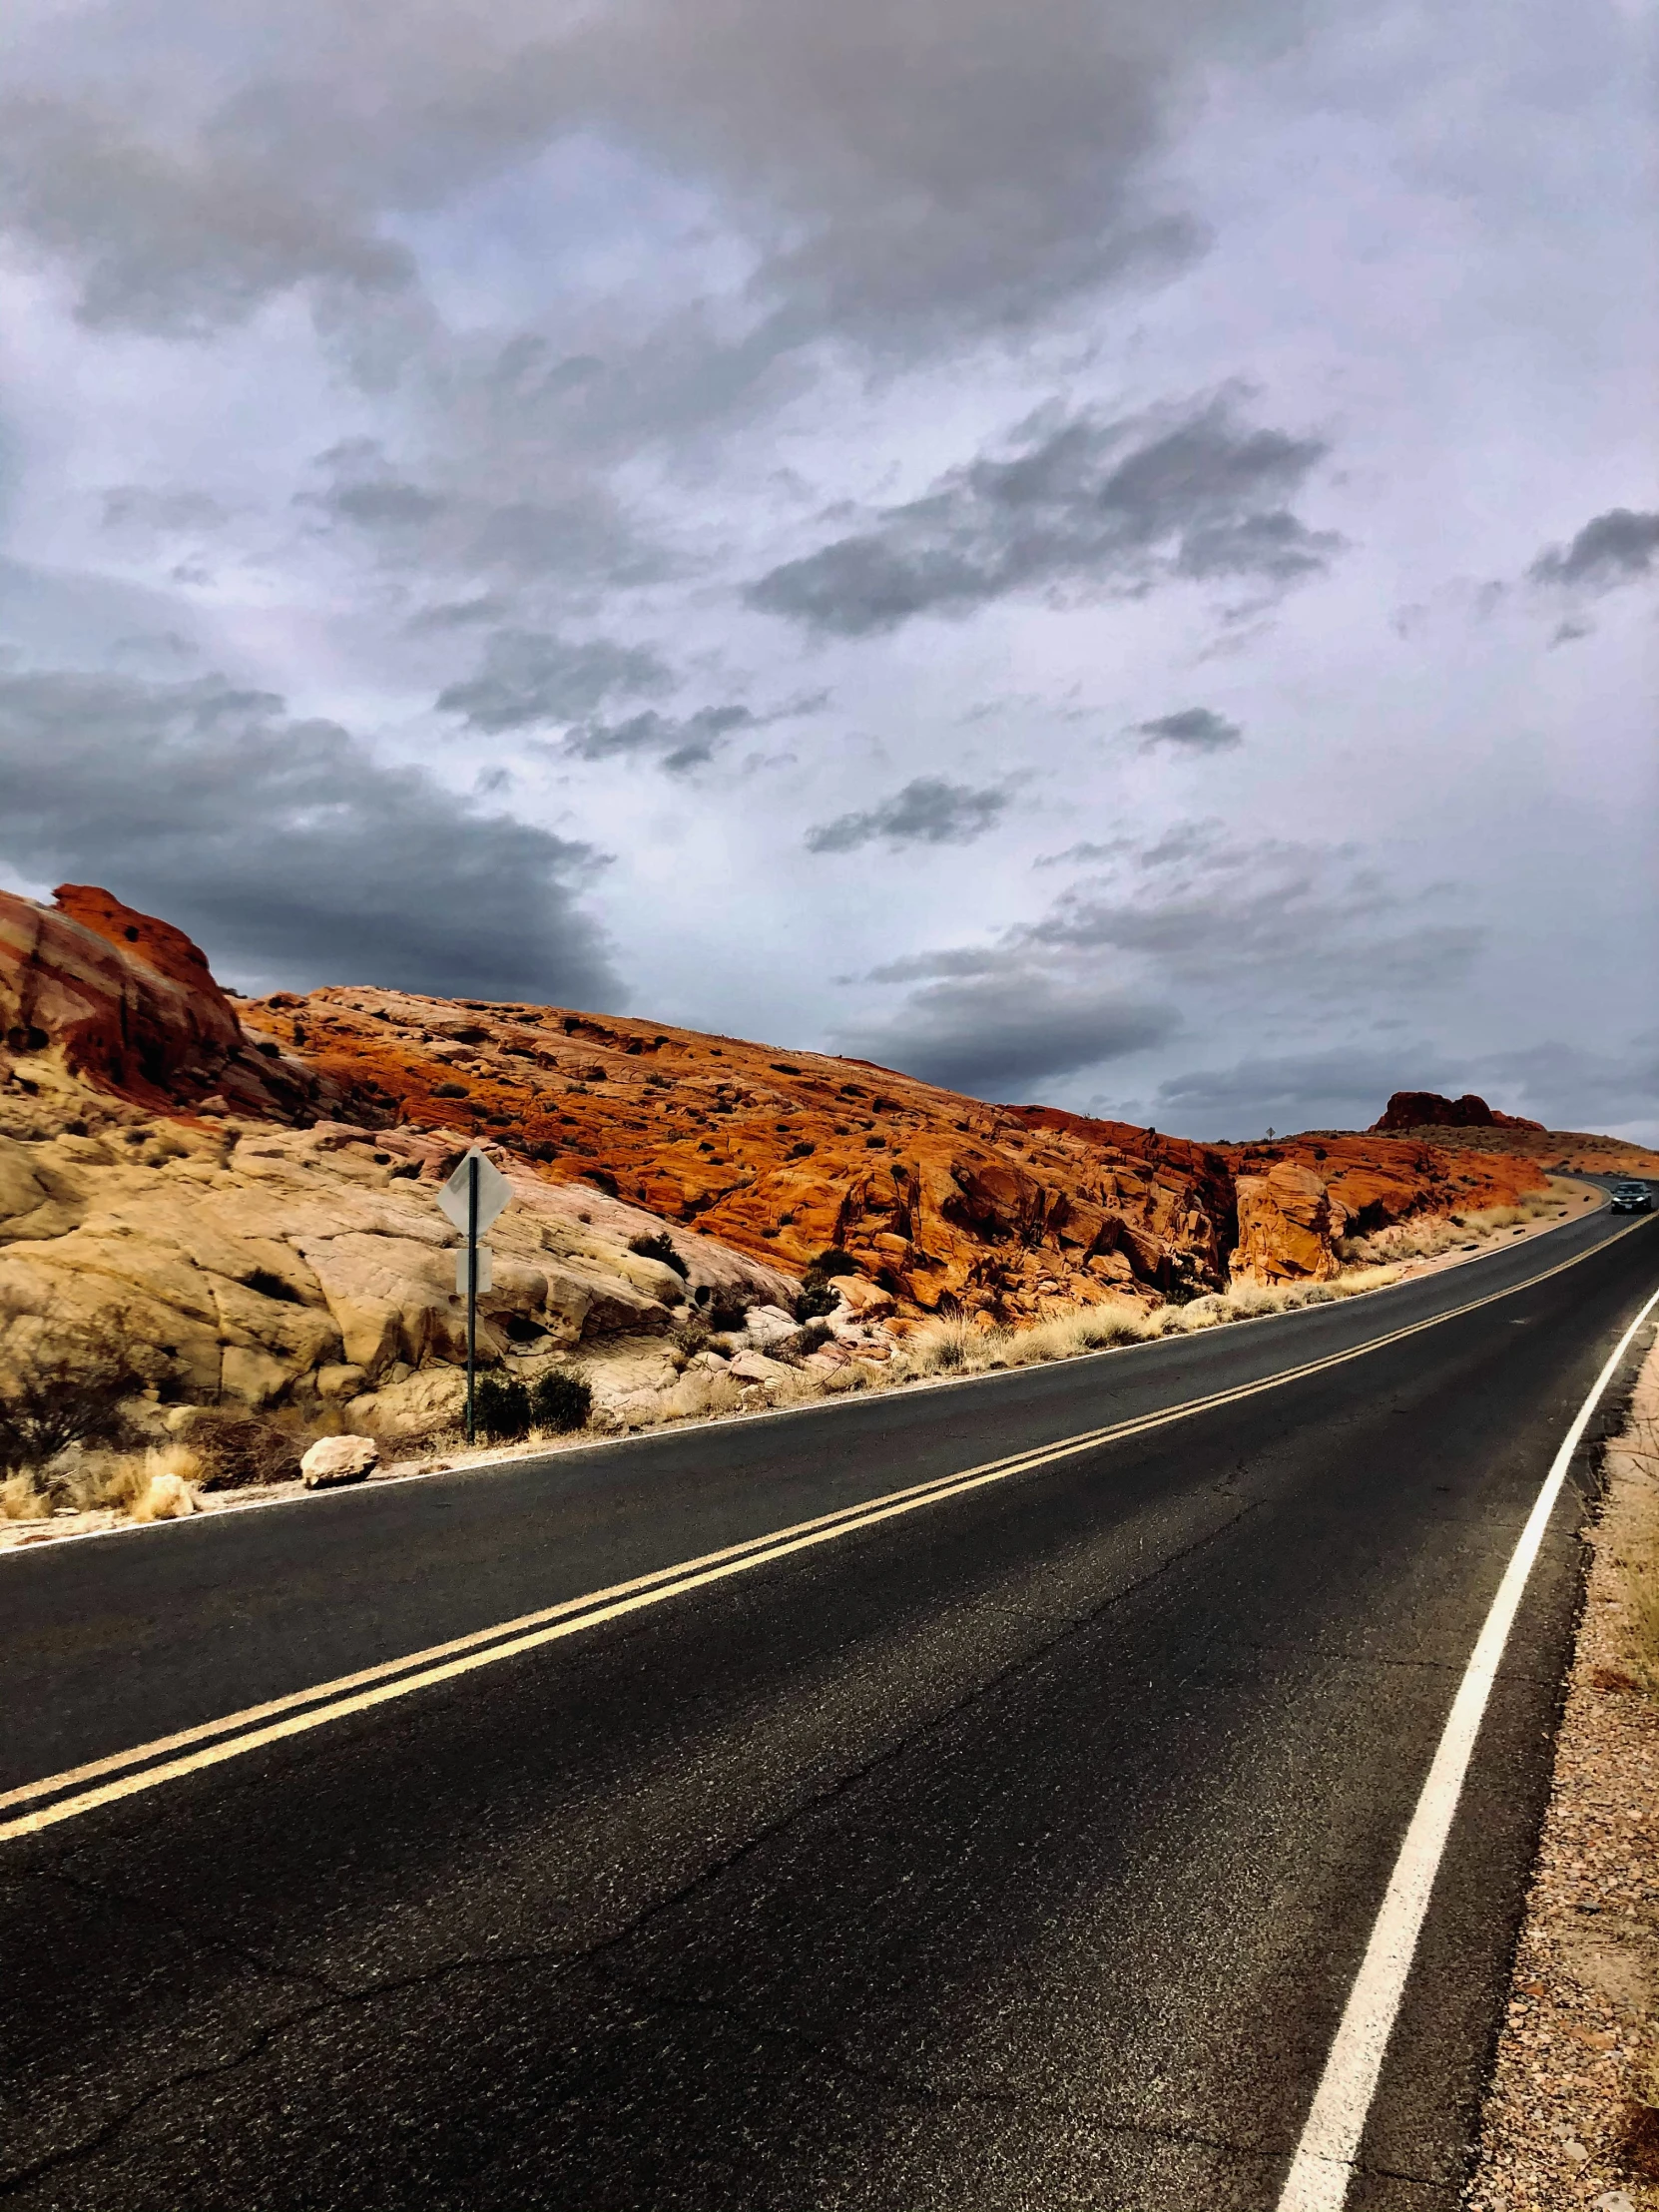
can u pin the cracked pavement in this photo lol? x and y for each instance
(1015, 1855)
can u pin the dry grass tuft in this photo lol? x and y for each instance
(20, 1500)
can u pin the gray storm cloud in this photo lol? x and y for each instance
(928, 810)
(285, 844)
(1614, 548)
(527, 677)
(1192, 730)
(998, 1036)
(1091, 502)
(893, 168)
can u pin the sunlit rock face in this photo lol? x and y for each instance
(252, 1183)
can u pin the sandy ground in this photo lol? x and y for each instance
(1569, 2119)
(66, 1523)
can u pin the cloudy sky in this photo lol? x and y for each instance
(1091, 552)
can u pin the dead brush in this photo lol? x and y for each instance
(233, 1451)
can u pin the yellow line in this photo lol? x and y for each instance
(530, 1631)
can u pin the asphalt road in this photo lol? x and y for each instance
(1013, 1851)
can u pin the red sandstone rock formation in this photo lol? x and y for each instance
(1288, 1226)
(129, 1004)
(1428, 1110)
(946, 1203)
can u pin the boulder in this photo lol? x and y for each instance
(334, 1459)
(769, 1324)
(413, 1406)
(755, 1366)
(863, 1299)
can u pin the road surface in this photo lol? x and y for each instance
(1009, 1843)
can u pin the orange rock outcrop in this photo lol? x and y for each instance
(952, 1205)
(130, 1004)
(947, 1204)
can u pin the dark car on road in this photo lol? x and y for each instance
(1632, 1198)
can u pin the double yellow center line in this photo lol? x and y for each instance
(62, 1797)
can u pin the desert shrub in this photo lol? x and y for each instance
(562, 1399)
(816, 1299)
(803, 1342)
(660, 1246)
(830, 1263)
(691, 1335)
(72, 1394)
(727, 1309)
(501, 1409)
(235, 1452)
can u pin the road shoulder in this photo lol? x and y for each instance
(1573, 2115)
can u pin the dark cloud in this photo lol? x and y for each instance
(1345, 1088)
(1312, 921)
(574, 531)
(529, 676)
(891, 169)
(1614, 548)
(183, 238)
(1004, 1034)
(928, 810)
(284, 847)
(676, 742)
(1087, 503)
(1562, 1085)
(1566, 1086)
(1194, 729)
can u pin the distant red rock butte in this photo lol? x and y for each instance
(1428, 1110)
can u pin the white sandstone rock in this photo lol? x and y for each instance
(769, 1325)
(755, 1366)
(334, 1459)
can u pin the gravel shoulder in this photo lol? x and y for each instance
(1573, 2115)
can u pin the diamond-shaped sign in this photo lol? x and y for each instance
(493, 1193)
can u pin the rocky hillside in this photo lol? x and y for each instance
(1468, 1123)
(252, 1183)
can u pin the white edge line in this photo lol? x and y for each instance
(379, 1483)
(1324, 2165)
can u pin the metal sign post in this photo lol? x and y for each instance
(472, 1164)
(471, 1199)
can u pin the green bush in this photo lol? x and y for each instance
(562, 1399)
(501, 1409)
(831, 1263)
(814, 1302)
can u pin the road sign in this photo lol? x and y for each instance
(471, 1199)
(493, 1193)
